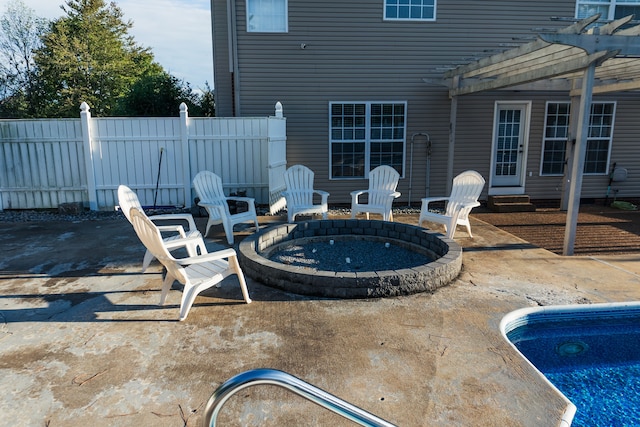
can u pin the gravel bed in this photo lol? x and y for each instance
(51, 215)
(46, 215)
(349, 256)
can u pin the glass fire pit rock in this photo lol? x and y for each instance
(443, 259)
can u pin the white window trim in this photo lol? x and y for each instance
(367, 140)
(435, 13)
(613, 124)
(286, 20)
(611, 4)
(610, 145)
(545, 139)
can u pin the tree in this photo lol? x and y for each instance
(88, 55)
(20, 32)
(207, 102)
(157, 95)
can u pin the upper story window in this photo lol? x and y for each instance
(608, 9)
(410, 10)
(267, 16)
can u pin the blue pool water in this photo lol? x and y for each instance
(591, 356)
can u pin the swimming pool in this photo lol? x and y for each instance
(589, 353)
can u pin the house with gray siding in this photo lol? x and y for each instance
(361, 83)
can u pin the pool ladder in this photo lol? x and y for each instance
(291, 383)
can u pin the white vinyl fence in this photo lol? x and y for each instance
(48, 162)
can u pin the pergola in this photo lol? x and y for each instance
(575, 59)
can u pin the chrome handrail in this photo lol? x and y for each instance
(291, 383)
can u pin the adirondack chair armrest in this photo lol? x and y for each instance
(356, 194)
(323, 194)
(471, 205)
(175, 228)
(180, 217)
(220, 206)
(249, 200)
(181, 242)
(396, 194)
(213, 256)
(428, 200)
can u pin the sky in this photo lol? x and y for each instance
(177, 31)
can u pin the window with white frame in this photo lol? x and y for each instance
(410, 10)
(267, 16)
(608, 9)
(365, 135)
(556, 132)
(599, 138)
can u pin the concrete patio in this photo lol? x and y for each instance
(83, 341)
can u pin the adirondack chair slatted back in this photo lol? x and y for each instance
(128, 199)
(383, 181)
(208, 186)
(299, 182)
(465, 191)
(150, 236)
(209, 189)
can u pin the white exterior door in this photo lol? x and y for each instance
(510, 136)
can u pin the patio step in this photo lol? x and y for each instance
(511, 203)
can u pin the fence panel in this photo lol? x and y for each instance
(234, 149)
(44, 162)
(141, 153)
(41, 163)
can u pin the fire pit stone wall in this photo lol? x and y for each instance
(254, 252)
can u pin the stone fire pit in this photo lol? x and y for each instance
(444, 264)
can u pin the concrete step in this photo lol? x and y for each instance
(513, 207)
(510, 203)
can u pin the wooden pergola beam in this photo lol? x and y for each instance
(576, 28)
(612, 87)
(553, 70)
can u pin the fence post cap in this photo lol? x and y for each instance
(278, 109)
(84, 106)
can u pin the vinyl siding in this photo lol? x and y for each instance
(351, 54)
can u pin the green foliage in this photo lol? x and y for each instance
(207, 102)
(20, 31)
(88, 56)
(157, 95)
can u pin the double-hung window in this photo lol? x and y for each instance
(608, 9)
(365, 135)
(599, 138)
(410, 10)
(556, 133)
(267, 16)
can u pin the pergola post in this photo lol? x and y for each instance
(579, 153)
(570, 147)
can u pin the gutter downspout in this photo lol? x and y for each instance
(453, 117)
(232, 40)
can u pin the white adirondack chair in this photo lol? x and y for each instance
(383, 181)
(299, 194)
(196, 273)
(191, 239)
(464, 196)
(208, 186)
